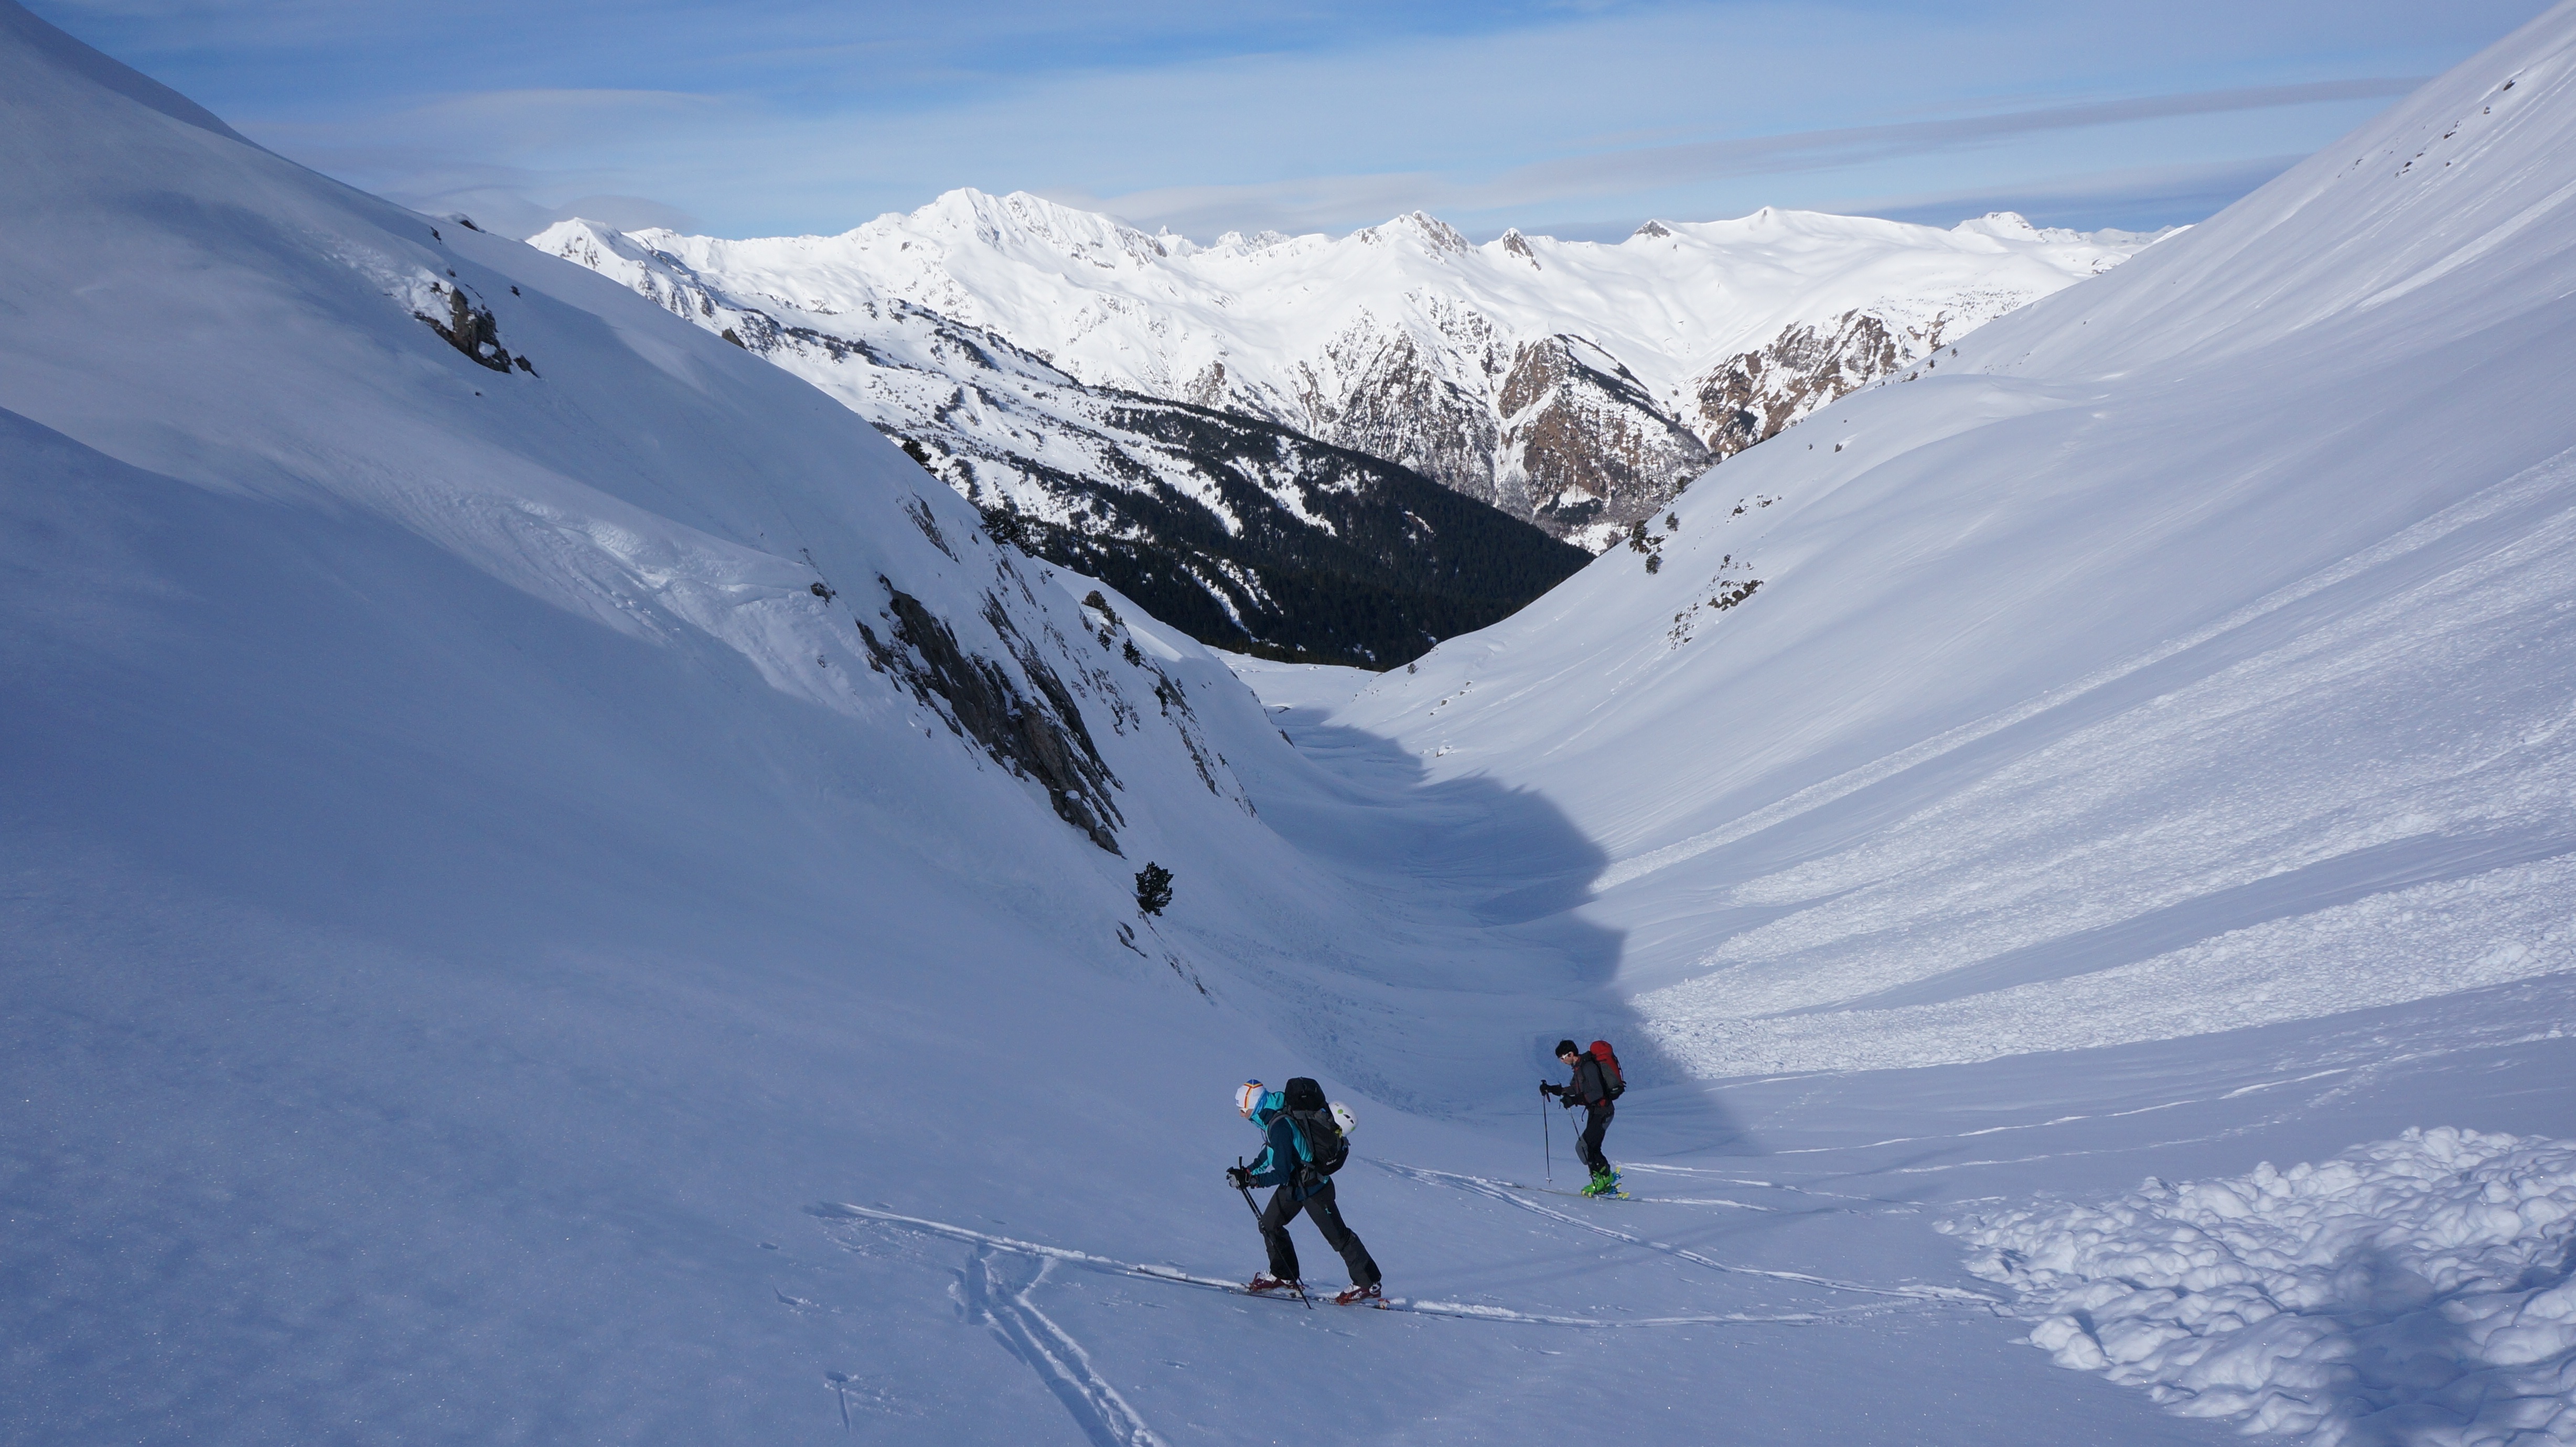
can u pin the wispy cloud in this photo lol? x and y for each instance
(2136, 197)
(1309, 202)
(1621, 171)
(1209, 115)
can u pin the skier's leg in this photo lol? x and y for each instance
(1326, 1213)
(1274, 1234)
(1594, 1128)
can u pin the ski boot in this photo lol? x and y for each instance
(1604, 1183)
(1263, 1283)
(1358, 1295)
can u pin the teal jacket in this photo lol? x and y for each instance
(1284, 1157)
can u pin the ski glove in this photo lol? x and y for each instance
(1238, 1177)
(1545, 1088)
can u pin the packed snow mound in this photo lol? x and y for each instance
(2413, 1290)
(2190, 650)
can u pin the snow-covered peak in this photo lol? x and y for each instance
(2002, 225)
(1407, 341)
(599, 247)
(1116, 306)
(1426, 233)
(1019, 222)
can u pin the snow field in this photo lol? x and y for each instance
(2412, 1290)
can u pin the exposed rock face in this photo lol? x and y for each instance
(1041, 738)
(1750, 397)
(470, 328)
(1391, 399)
(1584, 450)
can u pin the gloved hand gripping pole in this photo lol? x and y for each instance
(1546, 1145)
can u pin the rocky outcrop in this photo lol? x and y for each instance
(470, 328)
(1584, 451)
(1751, 396)
(1041, 737)
(1388, 397)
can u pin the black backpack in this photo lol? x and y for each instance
(1319, 1136)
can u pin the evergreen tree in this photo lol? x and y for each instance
(1153, 888)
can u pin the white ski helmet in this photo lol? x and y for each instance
(1342, 1117)
(1247, 1096)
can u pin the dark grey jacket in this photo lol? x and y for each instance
(1590, 1088)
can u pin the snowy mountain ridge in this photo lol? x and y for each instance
(1571, 383)
(1238, 531)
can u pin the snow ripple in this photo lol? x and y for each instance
(2416, 1290)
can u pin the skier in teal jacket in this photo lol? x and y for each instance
(1283, 1164)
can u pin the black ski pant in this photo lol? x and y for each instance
(1327, 1217)
(1596, 1123)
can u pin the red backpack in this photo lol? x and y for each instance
(1610, 1074)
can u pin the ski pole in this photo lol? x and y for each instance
(1246, 1192)
(1545, 1144)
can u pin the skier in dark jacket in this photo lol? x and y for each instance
(1591, 1089)
(1300, 1188)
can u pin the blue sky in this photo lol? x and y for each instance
(1578, 119)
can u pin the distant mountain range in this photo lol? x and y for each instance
(1239, 434)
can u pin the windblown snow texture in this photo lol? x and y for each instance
(2412, 1290)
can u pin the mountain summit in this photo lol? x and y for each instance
(1573, 384)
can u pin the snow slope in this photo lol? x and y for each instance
(1569, 382)
(2190, 655)
(2190, 651)
(465, 976)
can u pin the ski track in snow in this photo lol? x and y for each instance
(1505, 1191)
(2074, 1119)
(1050, 1366)
(2346, 1078)
(1725, 1180)
(1059, 1360)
